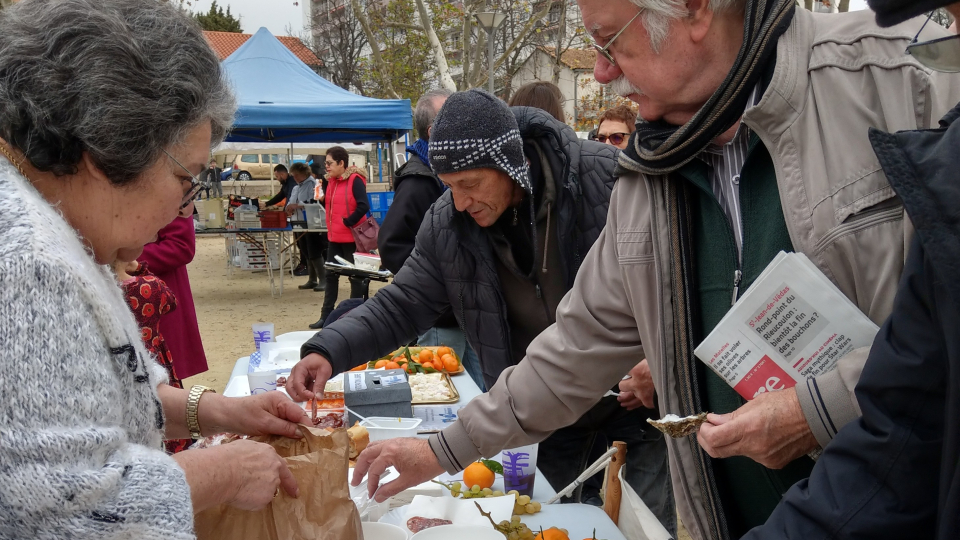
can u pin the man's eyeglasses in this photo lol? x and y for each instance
(604, 50)
(615, 139)
(195, 185)
(942, 54)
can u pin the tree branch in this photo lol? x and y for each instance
(375, 49)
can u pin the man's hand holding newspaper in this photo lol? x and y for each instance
(792, 324)
(769, 429)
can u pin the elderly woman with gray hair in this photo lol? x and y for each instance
(108, 110)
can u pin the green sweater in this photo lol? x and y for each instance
(748, 491)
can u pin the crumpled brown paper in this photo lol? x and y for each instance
(323, 511)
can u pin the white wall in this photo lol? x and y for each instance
(539, 67)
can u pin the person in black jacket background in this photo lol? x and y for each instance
(287, 183)
(895, 472)
(415, 190)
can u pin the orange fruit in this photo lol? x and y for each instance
(392, 365)
(443, 351)
(425, 356)
(381, 363)
(478, 474)
(399, 359)
(552, 533)
(450, 363)
(410, 368)
(361, 367)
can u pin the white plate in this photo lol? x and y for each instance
(578, 519)
(382, 531)
(446, 532)
(299, 337)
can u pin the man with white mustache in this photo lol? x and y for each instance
(754, 142)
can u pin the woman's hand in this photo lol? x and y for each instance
(271, 413)
(259, 473)
(243, 473)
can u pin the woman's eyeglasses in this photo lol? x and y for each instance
(942, 54)
(615, 139)
(195, 185)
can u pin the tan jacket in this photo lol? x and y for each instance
(836, 75)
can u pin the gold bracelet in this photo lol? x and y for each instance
(193, 409)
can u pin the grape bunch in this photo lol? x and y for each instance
(523, 504)
(514, 530)
(474, 492)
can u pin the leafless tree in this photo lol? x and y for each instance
(338, 40)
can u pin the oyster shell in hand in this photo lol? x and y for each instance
(676, 426)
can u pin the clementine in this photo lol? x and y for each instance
(381, 363)
(552, 533)
(478, 474)
(450, 363)
(392, 365)
(443, 351)
(425, 356)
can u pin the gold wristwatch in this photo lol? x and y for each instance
(193, 407)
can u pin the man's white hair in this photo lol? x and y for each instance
(658, 14)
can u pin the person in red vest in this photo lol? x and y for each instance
(346, 204)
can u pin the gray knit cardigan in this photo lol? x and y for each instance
(80, 422)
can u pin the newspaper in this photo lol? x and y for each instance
(793, 323)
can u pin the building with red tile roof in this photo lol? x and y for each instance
(224, 43)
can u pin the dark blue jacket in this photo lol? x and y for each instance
(895, 473)
(453, 266)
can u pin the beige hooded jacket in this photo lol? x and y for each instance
(835, 76)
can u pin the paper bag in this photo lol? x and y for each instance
(323, 511)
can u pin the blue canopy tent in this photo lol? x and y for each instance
(282, 100)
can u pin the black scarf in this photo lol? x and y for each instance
(661, 148)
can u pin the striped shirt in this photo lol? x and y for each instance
(725, 164)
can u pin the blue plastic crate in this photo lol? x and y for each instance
(379, 217)
(380, 201)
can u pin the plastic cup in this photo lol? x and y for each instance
(262, 333)
(520, 469)
(262, 382)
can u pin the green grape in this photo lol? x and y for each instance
(475, 488)
(536, 507)
(487, 492)
(523, 499)
(455, 493)
(457, 486)
(505, 524)
(498, 493)
(514, 535)
(518, 510)
(515, 520)
(529, 508)
(513, 492)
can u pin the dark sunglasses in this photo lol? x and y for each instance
(942, 54)
(615, 138)
(195, 185)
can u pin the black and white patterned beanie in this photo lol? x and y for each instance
(475, 130)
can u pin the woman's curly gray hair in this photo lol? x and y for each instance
(121, 79)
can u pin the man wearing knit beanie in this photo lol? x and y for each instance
(895, 473)
(499, 250)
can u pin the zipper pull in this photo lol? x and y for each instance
(737, 276)
(538, 290)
